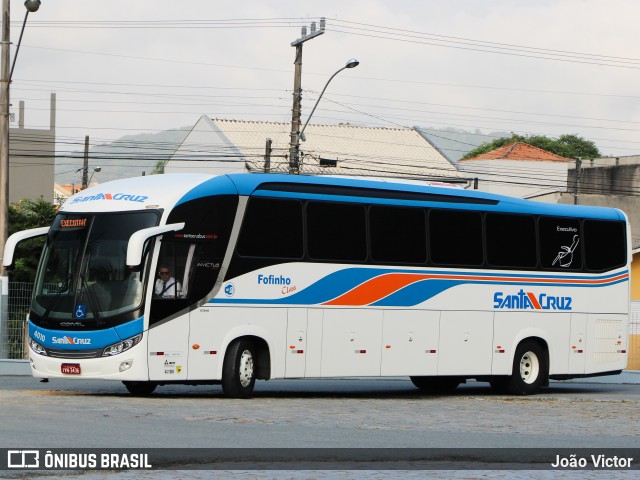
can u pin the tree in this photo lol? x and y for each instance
(23, 215)
(568, 146)
(158, 169)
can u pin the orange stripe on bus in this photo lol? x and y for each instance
(376, 288)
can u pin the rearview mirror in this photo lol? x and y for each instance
(16, 238)
(137, 240)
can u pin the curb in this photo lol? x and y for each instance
(14, 367)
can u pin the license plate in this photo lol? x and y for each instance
(70, 368)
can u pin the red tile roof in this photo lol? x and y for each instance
(519, 151)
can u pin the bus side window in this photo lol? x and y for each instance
(398, 234)
(511, 240)
(455, 237)
(170, 271)
(204, 269)
(604, 244)
(336, 232)
(561, 243)
(168, 296)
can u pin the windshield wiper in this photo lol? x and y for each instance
(64, 287)
(92, 300)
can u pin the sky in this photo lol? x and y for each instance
(531, 67)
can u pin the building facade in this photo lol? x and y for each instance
(32, 154)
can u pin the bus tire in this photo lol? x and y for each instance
(530, 369)
(437, 385)
(140, 388)
(239, 369)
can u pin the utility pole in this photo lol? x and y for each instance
(85, 168)
(267, 156)
(294, 145)
(4, 129)
(4, 177)
(576, 192)
(5, 81)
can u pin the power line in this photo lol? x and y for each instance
(464, 40)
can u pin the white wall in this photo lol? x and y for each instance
(517, 178)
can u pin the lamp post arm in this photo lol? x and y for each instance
(15, 55)
(318, 101)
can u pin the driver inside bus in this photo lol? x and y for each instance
(166, 286)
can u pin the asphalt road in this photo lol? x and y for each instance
(380, 413)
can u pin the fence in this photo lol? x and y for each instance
(17, 311)
(634, 336)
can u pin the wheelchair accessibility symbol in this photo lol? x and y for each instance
(229, 290)
(81, 311)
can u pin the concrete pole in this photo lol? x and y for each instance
(576, 192)
(4, 175)
(294, 146)
(85, 167)
(4, 131)
(267, 156)
(296, 113)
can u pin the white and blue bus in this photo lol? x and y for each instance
(284, 276)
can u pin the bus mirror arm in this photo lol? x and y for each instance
(16, 238)
(138, 239)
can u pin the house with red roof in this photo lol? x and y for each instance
(519, 170)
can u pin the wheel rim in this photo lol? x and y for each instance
(529, 367)
(246, 368)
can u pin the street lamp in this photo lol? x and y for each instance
(95, 170)
(295, 150)
(85, 172)
(31, 6)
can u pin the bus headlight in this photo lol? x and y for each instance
(36, 347)
(123, 346)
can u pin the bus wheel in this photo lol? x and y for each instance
(530, 369)
(140, 388)
(238, 372)
(436, 384)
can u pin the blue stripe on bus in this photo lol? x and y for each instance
(84, 340)
(340, 283)
(220, 185)
(424, 290)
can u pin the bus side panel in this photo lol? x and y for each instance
(168, 350)
(351, 342)
(204, 361)
(215, 328)
(513, 327)
(607, 342)
(410, 342)
(465, 343)
(313, 364)
(296, 346)
(578, 343)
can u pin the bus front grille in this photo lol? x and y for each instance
(55, 353)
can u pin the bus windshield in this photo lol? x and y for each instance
(83, 281)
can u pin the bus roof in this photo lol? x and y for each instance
(397, 191)
(169, 190)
